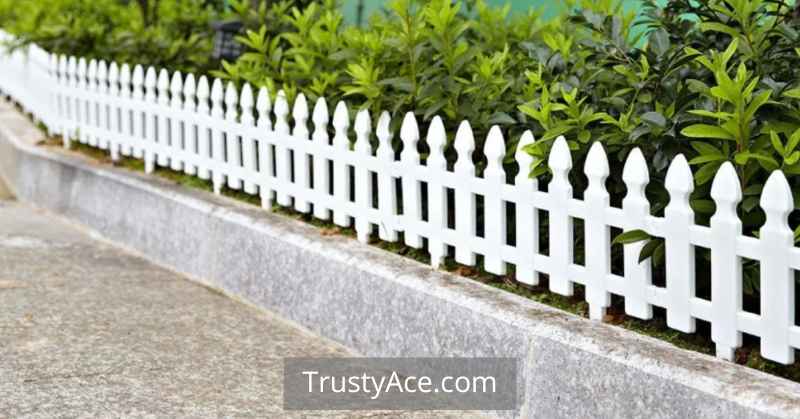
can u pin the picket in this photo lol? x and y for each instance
(265, 149)
(726, 265)
(464, 168)
(203, 129)
(638, 275)
(679, 252)
(249, 155)
(598, 259)
(231, 152)
(125, 124)
(412, 202)
(300, 157)
(363, 179)
(437, 196)
(219, 133)
(387, 189)
(190, 127)
(175, 124)
(527, 225)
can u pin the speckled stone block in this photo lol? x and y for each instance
(381, 304)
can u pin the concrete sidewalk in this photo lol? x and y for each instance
(87, 330)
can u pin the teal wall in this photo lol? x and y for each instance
(370, 6)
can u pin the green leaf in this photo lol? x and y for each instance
(648, 248)
(705, 148)
(658, 254)
(706, 158)
(631, 236)
(776, 142)
(765, 161)
(501, 118)
(703, 206)
(756, 104)
(707, 172)
(792, 93)
(719, 27)
(707, 131)
(654, 118)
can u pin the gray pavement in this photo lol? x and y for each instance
(88, 330)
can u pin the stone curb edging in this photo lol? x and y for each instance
(381, 304)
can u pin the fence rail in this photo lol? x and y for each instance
(240, 139)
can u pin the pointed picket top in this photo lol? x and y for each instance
(150, 77)
(523, 158)
(124, 77)
(560, 159)
(263, 106)
(246, 102)
(494, 149)
(231, 100)
(176, 85)
(246, 96)
(341, 117)
(189, 86)
(203, 90)
(163, 80)
(62, 65)
(679, 177)
(776, 197)
(113, 74)
(138, 81)
(175, 88)
(281, 105)
(409, 131)
(464, 145)
(231, 95)
(596, 165)
(113, 79)
(341, 122)
(300, 108)
(72, 69)
(363, 123)
(216, 92)
(91, 74)
(383, 132)
(437, 140)
(320, 115)
(635, 171)
(362, 128)
(102, 75)
(189, 89)
(81, 72)
(726, 187)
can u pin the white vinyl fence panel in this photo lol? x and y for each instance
(216, 132)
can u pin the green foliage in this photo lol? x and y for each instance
(174, 33)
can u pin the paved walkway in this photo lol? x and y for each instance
(87, 330)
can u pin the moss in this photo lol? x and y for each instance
(657, 327)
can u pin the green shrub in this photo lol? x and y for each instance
(715, 80)
(176, 34)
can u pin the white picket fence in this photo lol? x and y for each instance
(210, 131)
